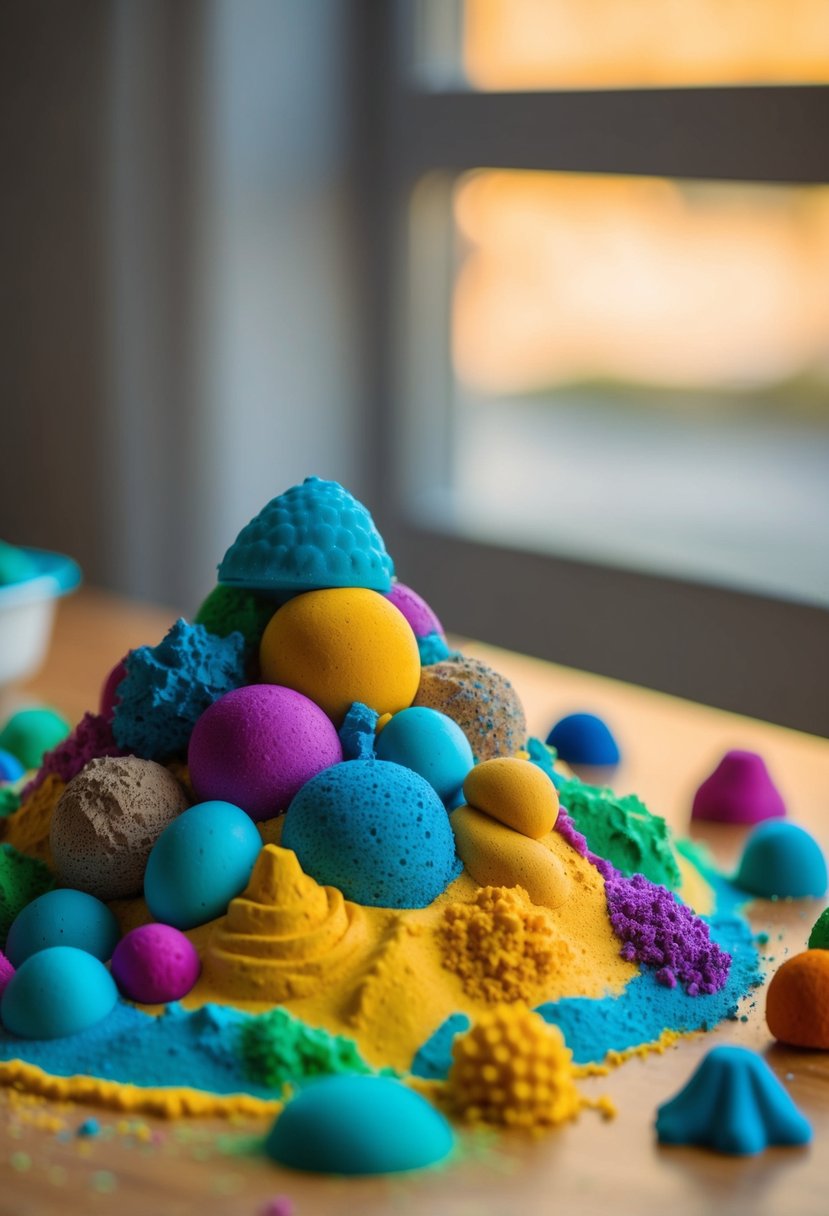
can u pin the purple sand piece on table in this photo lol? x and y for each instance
(739, 790)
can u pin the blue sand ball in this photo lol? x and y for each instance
(57, 992)
(359, 1125)
(63, 918)
(782, 860)
(584, 739)
(377, 831)
(10, 767)
(431, 744)
(200, 863)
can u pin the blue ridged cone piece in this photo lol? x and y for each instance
(314, 535)
(733, 1104)
(584, 739)
(782, 861)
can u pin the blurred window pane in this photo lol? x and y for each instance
(641, 375)
(542, 44)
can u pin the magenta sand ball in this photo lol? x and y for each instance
(257, 745)
(154, 964)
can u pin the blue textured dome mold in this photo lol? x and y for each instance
(733, 1104)
(314, 535)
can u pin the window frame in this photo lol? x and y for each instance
(752, 654)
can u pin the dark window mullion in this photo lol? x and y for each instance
(776, 134)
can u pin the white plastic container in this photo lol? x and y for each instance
(27, 613)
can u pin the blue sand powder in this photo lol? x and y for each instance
(198, 1050)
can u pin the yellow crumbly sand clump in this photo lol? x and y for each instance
(28, 828)
(512, 1069)
(501, 945)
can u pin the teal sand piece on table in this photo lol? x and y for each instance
(733, 1104)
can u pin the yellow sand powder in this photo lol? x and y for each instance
(512, 1069)
(168, 1103)
(394, 990)
(501, 946)
(28, 828)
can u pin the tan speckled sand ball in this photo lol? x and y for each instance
(107, 821)
(482, 702)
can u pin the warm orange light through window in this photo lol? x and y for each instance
(569, 278)
(537, 44)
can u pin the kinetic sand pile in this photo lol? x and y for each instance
(376, 872)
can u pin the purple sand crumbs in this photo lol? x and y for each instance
(660, 932)
(91, 739)
(654, 927)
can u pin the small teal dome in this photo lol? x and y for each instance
(781, 860)
(57, 992)
(314, 535)
(359, 1125)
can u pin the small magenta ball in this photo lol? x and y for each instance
(154, 964)
(199, 863)
(63, 918)
(57, 992)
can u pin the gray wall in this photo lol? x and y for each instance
(177, 300)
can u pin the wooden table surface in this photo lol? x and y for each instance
(139, 1166)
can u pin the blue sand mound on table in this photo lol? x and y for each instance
(584, 739)
(733, 1104)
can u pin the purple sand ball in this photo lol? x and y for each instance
(257, 746)
(154, 964)
(415, 609)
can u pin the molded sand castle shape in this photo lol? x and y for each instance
(440, 902)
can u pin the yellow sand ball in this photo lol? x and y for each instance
(516, 792)
(342, 645)
(513, 1070)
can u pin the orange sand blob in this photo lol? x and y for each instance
(28, 828)
(285, 936)
(502, 946)
(797, 1001)
(341, 645)
(513, 1070)
(515, 792)
(497, 856)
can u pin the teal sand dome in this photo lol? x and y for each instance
(314, 535)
